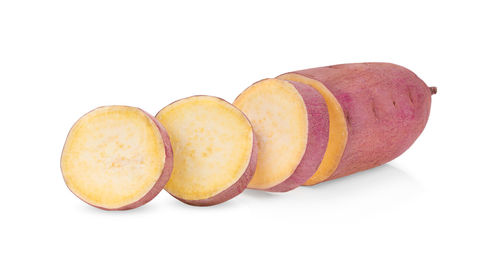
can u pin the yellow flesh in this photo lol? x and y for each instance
(113, 156)
(279, 117)
(338, 129)
(212, 143)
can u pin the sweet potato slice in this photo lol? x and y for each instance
(337, 130)
(214, 150)
(291, 122)
(116, 158)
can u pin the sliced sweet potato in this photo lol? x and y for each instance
(214, 148)
(291, 122)
(385, 107)
(337, 130)
(116, 158)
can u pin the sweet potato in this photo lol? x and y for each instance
(214, 149)
(385, 107)
(291, 122)
(116, 158)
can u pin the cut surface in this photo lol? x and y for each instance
(281, 125)
(113, 156)
(338, 129)
(212, 143)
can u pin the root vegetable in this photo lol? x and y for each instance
(291, 122)
(214, 150)
(385, 108)
(116, 158)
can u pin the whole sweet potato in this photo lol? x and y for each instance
(385, 107)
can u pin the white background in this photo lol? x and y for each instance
(60, 59)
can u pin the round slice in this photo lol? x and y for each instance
(338, 129)
(291, 122)
(214, 150)
(116, 158)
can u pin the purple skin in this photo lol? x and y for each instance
(234, 190)
(386, 107)
(317, 139)
(162, 180)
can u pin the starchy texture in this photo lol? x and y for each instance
(300, 128)
(116, 158)
(214, 150)
(291, 122)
